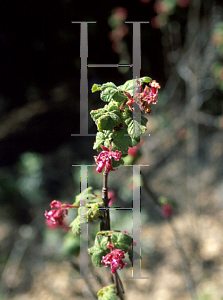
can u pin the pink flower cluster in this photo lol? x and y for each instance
(58, 212)
(104, 159)
(150, 95)
(146, 98)
(114, 259)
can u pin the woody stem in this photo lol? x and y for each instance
(105, 224)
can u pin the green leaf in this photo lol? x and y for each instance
(127, 114)
(76, 225)
(102, 138)
(116, 164)
(101, 242)
(97, 257)
(108, 121)
(94, 211)
(113, 107)
(146, 79)
(135, 140)
(99, 249)
(119, 96)
(86, 196)
(108, 85)
(135, 129)
(128, 86)
(96, 114)
(128, 121)
(121, 141)
(110, 92)
(121, 241)
(107, 91)
(96, 87)
(130, 253)
(107, 293)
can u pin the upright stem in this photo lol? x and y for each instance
(105, 225)
(106, 220)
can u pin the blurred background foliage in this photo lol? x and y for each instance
(182, 49)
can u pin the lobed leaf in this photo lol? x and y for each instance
(135, 129)
(121, 241)
(113, 107)
(108, 121)
(94, 211)
(96, 114)
(107, 91)
(121, 141)
(107, 293)
(97, 258)
(76, 225)
(87, 196)
(102, 138)
(96, 87)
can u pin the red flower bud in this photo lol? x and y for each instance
(167, 210)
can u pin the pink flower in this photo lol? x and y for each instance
(50, 225)
(58, 212)
(114, 259)
(111, 195)
(167, 210)
(104, 159)
(150, 95)
(133, 150)
(130, 101)
(145, 99)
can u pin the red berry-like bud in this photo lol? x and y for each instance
(167, 210)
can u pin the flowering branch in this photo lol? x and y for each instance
(116, 135)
